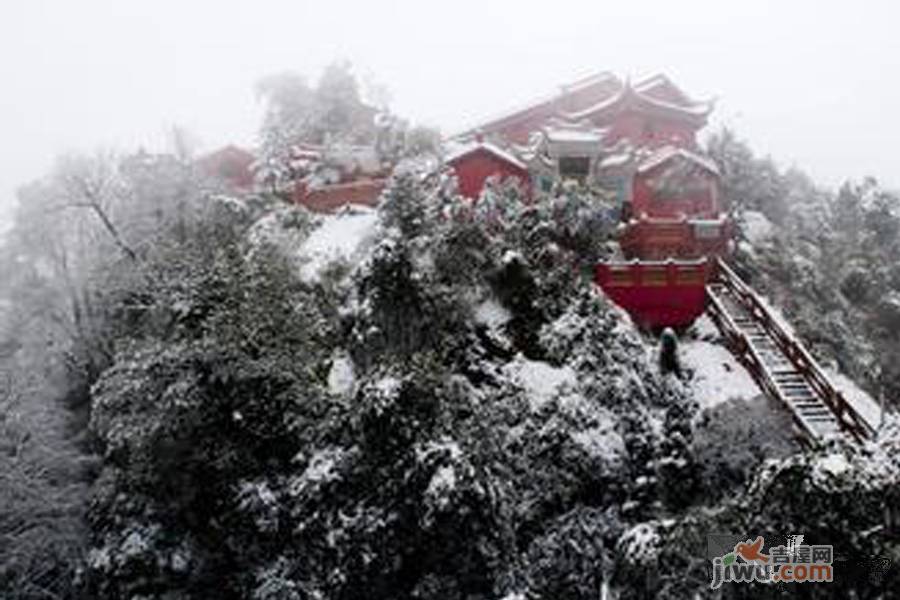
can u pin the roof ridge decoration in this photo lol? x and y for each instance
(584, 82)
(697, 109)
(636, 90)
(668, 152)
(535, 103)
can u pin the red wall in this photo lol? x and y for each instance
(329, 198)
(230, 164)
(659, 240)
(656, 296)
(700, 204)
(474, 168)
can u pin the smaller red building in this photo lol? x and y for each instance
(637, 140)
(474, 164)
(673, 183)
(230, 164)
(675, 208)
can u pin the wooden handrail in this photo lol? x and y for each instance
(847, 415)
(751, 358)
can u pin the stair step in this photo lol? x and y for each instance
(803, 390)
(792, 387)
(798, 399)
(815, 411)
(822, 419)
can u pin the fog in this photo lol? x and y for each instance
(811, 83)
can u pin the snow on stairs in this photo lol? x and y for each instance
(781, 366)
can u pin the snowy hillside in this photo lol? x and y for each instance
(342, 236)
(716, 375)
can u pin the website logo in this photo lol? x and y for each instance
(794, 563)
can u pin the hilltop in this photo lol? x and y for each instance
(213, 390)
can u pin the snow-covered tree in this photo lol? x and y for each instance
(296, 113)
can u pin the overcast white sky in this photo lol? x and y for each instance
(813, 83)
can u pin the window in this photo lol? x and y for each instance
(578, 167)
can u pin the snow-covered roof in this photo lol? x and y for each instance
(598, 107)
(655, 81)
(648, 83)
(668, 152)
(618, 159)
(608, 97)
(588, 81)
(697, 109)
(488, 147)
(525, 107)
(505, 115)
(574, 135)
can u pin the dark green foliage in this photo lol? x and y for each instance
(517, 288)
(732, 440)
(574, 557)
(856, 286)
(403, 313)
(404, 205)
(677, 471)
(505, 432)
(848, 500)
(412, 507)
(465, 254)
(229, 396)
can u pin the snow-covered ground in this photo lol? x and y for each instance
(491, 314)
(540, 380)
(341, 377)
(756, 226)
(340, 236)
(717, 375)
(864, 404)
(602, 441)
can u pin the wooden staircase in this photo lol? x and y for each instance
(781, 366)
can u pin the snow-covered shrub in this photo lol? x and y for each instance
(856, 285)
(732, 439)
(464, 254)
(573, 558)
(406, 205)
(401, 309)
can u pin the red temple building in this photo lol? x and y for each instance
(639, 141)
(652, 111)
(231, 164)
